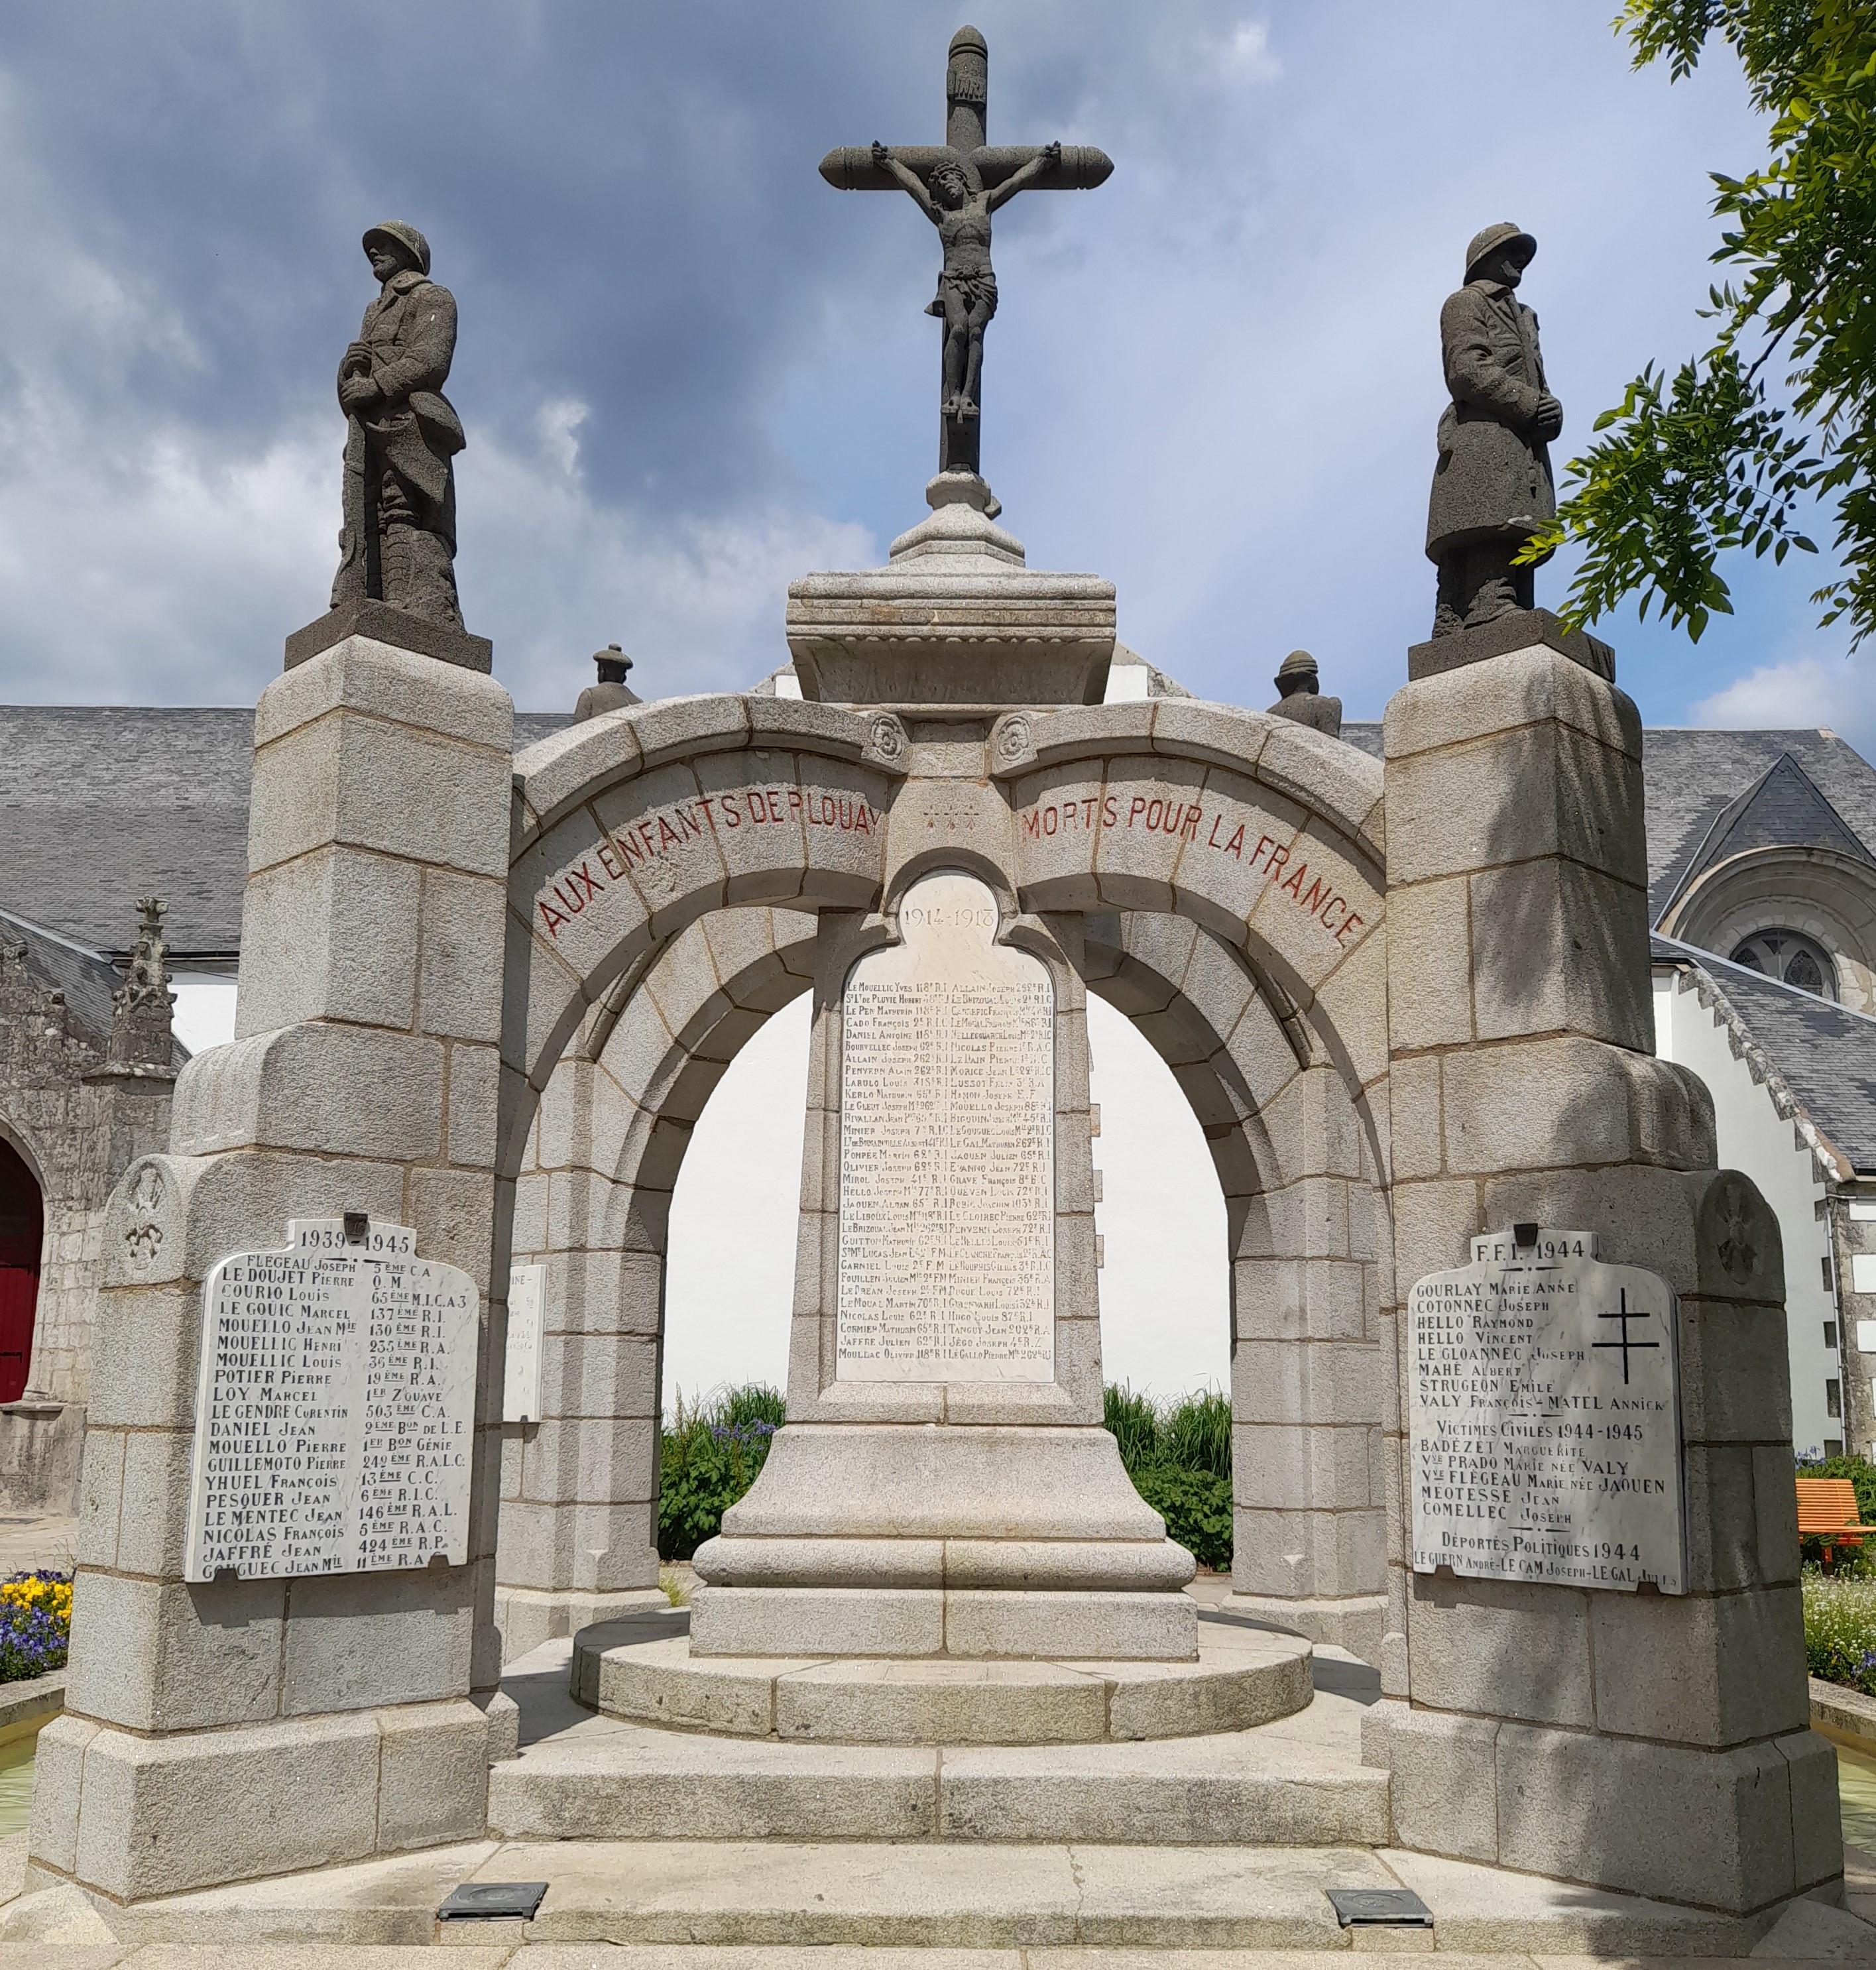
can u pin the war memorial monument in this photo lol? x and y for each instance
(376, 1389)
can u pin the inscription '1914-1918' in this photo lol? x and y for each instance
(335, 1408)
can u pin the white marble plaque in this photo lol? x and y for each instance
(335, 1413)
(527, 1310)
(947, 1166)
(1544, 1418)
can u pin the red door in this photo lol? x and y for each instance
(21, 1224)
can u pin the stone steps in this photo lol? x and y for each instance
(1297, 1782)
(1244, 1675)
(932, 1896)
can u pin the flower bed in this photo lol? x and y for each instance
(35, 1624)
(1840, 1630)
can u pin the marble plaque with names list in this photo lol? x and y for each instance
(947, 1192)
(335, 1413)
(1544, 1418)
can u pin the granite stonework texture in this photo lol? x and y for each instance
(327, 1719)
(1408, 999)
(1659, 1744)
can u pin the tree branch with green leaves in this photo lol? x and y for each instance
(1682, 472)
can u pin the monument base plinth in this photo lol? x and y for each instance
(918, 1622)
(956, 616)
(1241, 1677)
(1517, 629)
(383, 623)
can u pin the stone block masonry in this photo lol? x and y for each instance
(223, 1728)
(1650, 1742)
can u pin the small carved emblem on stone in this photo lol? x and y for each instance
(1732, 1219)
(1013, 739)
(886, 740)
(146, 1197)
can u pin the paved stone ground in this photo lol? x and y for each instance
(611, 1956)
(29, 1542)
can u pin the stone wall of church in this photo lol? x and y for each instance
(79, 1123)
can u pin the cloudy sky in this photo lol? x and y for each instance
(690, 370)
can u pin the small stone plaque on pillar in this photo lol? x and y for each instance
(947, 1113)
(335, 1412)
(527, 1310)
(1543, 1417)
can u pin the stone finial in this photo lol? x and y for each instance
(611, 692)
(141, 1007)
(1299, 696)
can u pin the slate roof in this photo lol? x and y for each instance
(87, 981)
(1691, 777)
(99, 805)
(1825, 1053)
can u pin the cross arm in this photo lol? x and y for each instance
(850, 168)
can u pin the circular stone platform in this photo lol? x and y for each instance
(1244, 1676)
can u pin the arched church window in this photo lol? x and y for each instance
(1788, 954)
(21, 1223)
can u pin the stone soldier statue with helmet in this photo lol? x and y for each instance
(397, 544)
(1299, 696)
(1492, 487)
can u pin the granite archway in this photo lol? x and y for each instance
(671, 862)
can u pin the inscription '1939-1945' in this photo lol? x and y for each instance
(625, 850)
(1188, 820)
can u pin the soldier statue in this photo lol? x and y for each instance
(1299, 696)
(398, 542)
(611, 692)
(1492, 487)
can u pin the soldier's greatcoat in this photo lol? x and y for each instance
(1493, 481)
(398, 455)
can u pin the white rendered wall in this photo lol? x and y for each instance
(1754, 1137)
(203, 1015)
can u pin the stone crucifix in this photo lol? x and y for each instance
(957, 185)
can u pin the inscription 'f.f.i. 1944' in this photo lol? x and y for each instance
(1543, 1417)
(335, 1415)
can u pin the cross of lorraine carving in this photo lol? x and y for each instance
(958, 183)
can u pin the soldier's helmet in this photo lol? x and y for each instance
(1298, 664)
(1504, 233)
(406, 237)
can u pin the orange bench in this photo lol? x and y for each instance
(1827, 1510)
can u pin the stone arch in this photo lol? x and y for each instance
(1243, 934)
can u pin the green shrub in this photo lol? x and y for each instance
(1179, 1457)
(1840, 1630)
(709, 1455)
(1196, 1506)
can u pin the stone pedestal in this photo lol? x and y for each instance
(219, 1731)
(944, 1486)
(955, 618)
(1654, 1743)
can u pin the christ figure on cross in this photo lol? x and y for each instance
(957, 184)
(967, 289)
